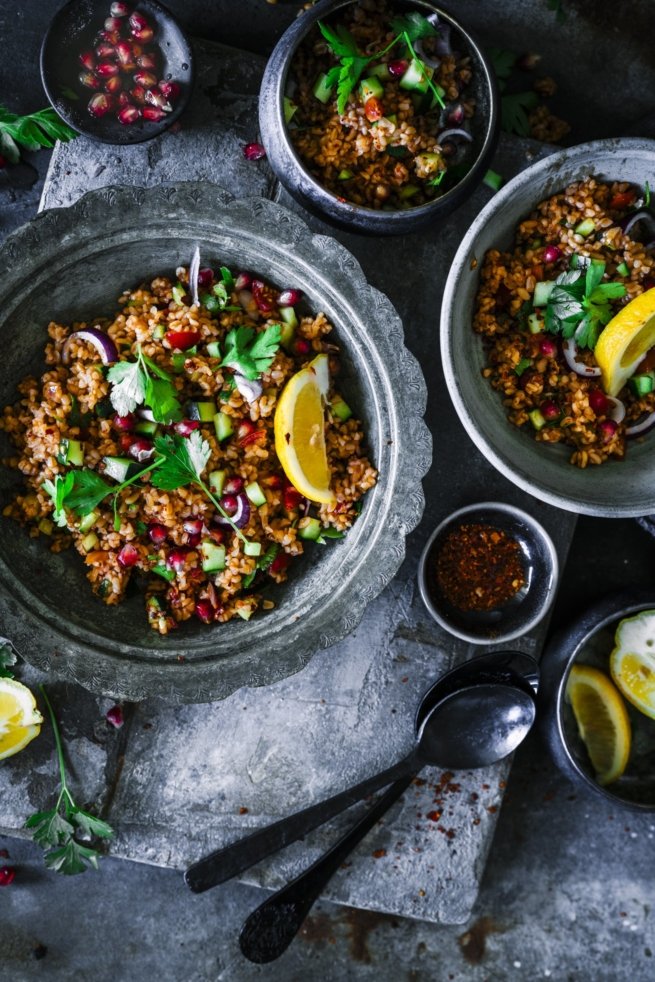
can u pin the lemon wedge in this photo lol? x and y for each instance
(20, 720)
(300, 431)
(625, 341)
(602, 719)
(632, 661)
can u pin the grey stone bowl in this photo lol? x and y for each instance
(589, 640)
(615, 489)
(71, 263)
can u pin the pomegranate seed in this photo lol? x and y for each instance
(243, 281)
(301, 346)
(205, 611)
(599, 402)
(137, 49)
(157, 98)
(552, 254)
(397, 67)
(373, 109)
(146, 79)
(119, 10)
(141, 449)
(113, 85)
(229, 504)
(205, 277)
(170, 89)
(147, 60)
(607, 429)
(125, 441)
(193, 525)
(113, 24)
(234, 485)
(105, 50)
(143, 34)
(548, 347)
(455, 115)
(7, 875)
(182, 340)
(87, 59)
(138, 93)
(263, 296)
(217, 535)
(291, 498)
(110, 37)
(128, 556)
(125, 54)
(289, 298)
(280, 563)
(138, 21)
(549, 410)
(157, 533)
(154, 115)
(89, 80)
(128, 114)
(123, 99)
(185, 427)
(194, 540)
(107, 68)
(254, 151)
(100, 104)
(115, 716)
(273, 481)
(246, 427)
(176, 559)
(124, 423)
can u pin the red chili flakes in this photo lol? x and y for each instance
(434, 816)
(479, 567)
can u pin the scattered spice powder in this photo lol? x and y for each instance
(479, 567)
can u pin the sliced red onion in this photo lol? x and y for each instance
(432, 61)
(617, 409)
(241, 516)
(146, 414)
(642, 426)
(455, 133)
(194, 269)
(100, 341)
(242, 282)
(628, 223)
(455, 114)
(250, 389)
(442, 43)
(570, 349)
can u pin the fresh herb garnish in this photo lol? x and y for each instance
(133, 385)
(415, 26)
(82, 490)
(493, 180)
(646, 195)
(57, 830)
(263, 563)
(32, 132)
(503, 62)
(514, 110)
(578, 305)
(436, 181)
(7, 659)
(58, 490)
(524, 364)
(329, 533)
(248, 354)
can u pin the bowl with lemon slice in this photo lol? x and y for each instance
(548, 329)
(597, 699)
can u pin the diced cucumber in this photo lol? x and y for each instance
(414, 78)
(252, 548)
(641, 385)
(370, 88)
(322, 89)
(216, 482)
(311, 529)
(70, 452)
(256, 495)
(87, 523)
(117, 468)
(214, 349)
(89, 542)
(290, 109)
(340, 408)
(213, 557)
(343, 175)
(245, 613)
(288, 315)
(542, 292)
(177, 360)
(408, 191)
(622, 270)
(585, 228)
(203, 411)
(537, 419)
(535, 323)
(46, 526)
(223, 425)
(380, 71)
(165, 572)
(287, 335)
(429, 162)
(146, 426)
(179, 292)
(159, 332)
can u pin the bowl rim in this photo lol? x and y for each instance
(536, 174)
(272, 98)
(133, 136)
(539, 533)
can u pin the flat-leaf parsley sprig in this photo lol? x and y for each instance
(59, 830)
(249, 355)
(32, 132)
(133, 385)
(578, 306)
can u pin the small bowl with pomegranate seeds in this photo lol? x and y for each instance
(117, 72)
(380, 116)
(548, 329)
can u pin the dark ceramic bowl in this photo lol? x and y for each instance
(589, 640)
(306, 189)
(526, 608)
(72, 31)
(71, 264)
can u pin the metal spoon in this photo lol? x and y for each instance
(505, 711)
(498, 667)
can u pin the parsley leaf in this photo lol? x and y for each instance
(185, 458)
(87, 491)
(503, 63)
(128, 386)
(161, 396)
(415, 25)
(578, 306)
(133, 385)
(514, 112)
(341, 41)
(7, 659)
(37, 130)
(58, 490)
(251, 355)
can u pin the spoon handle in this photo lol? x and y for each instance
(231, 860)
(270, 929)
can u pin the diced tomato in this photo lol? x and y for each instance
(182, 339)
(373, 109)
(622, 199)
(280, 563)
(291, 498)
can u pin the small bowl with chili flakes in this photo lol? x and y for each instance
(488, 573)
(379, 116)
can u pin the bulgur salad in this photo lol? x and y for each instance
(568, 320)
(148, 444)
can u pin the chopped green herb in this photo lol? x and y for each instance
(250, 353)
(578, 306)
(522, 365)
(493, 180)
(646, 195)
(32, 132)
(133, 385)
(514, 110)
(329, 533)
(58, 490)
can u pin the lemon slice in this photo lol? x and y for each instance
(20, 720)
(602, 719)
(632, 661)
(625, 341)
(300, 431)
